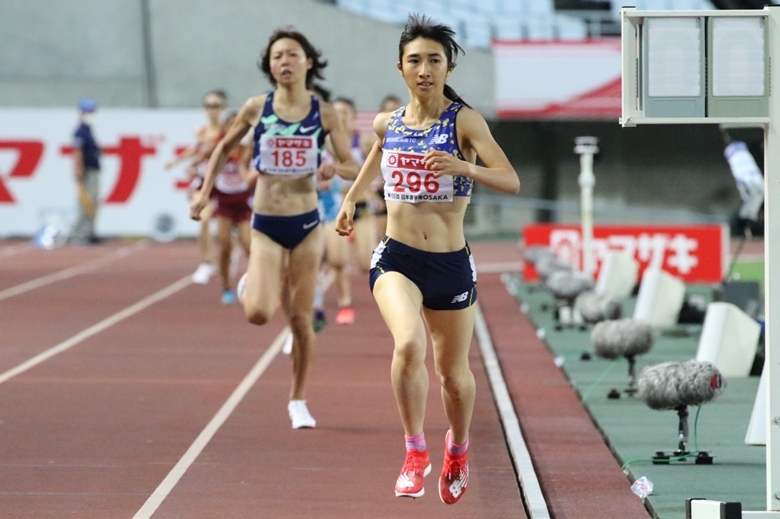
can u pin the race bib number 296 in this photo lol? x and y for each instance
(407, 179)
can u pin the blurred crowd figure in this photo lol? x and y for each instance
(86, 172)
(232, 209)
(197, 155)
(360, 244)
(390, 103)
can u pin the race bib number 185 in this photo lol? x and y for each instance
(288, 155)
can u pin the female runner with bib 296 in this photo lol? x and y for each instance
(422, 271)
(290, 126)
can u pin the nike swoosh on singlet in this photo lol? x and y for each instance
(305, 129)
(309, 225)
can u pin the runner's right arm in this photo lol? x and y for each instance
(246, 118)
(371, 168)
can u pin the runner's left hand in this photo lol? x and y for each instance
(443, 163)
(326, 171)
(345, 219)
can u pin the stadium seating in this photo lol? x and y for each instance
(478, 22)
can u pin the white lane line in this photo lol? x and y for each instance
(749, 258)
(526, 475)
(493, 268)
(12, 250)
(73, 271)
(173, 477)
(97, 328)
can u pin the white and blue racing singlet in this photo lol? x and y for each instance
(406, 178)
(282, 148)
(229, 180)
(357, 150)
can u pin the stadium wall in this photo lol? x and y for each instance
(56, 52)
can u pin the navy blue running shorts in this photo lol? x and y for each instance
(287, 231)
(447, 280)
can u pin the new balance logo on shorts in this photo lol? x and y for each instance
(460, 298)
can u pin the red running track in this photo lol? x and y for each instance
(93, 431)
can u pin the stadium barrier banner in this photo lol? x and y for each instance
(694, 253)
(36, 169)
(572, 80)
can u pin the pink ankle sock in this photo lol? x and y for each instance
(416, 442)
(456, 449)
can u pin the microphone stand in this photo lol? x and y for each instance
(682, 431)
(632, 387)
(682, 453)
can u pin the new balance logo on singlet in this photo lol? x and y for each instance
(460, 298)
(440, 139)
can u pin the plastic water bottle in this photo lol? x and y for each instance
(642, 487)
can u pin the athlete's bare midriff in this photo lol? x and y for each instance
(432, 227)
(287, 195)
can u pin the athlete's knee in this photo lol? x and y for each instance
(257, 314)
(301, 324)
(224, 244)
(455, 379)
(337, 262)
(410, 349)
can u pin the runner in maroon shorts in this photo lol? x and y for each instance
(232, 196)
(214, 103)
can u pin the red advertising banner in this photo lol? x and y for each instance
(694, 253)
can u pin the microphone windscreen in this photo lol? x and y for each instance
(568, 284)
(547, 265)
(595, 307)
(673, 384)
(535, 253)
(622, 338)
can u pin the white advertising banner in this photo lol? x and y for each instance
(558, 80)
(36, 169)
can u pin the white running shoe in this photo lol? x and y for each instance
(287, 348)
(241, 287)
(299, 414)
(203, 273)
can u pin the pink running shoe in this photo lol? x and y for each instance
(454, 475)
(416, 466)
(346, 315)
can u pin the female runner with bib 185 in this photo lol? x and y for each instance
(422, 272)
(290, 126)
